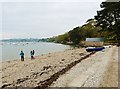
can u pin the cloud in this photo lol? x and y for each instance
(52, 0)
(6, 35)
(45, 19)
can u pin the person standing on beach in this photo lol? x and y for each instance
(22, 55)
(31, 54)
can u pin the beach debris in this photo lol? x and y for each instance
(35, 73)
(21, 80)
(46, 67)
(49, 56)
(63, 59)
(42, 73)
(5, 85)
(60, 62)
(81, 54)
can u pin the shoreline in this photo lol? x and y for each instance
(11, 52)
(30, 73)
(28, 58)
(48, 63)
(37, 57)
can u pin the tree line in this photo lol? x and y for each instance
(105, 24)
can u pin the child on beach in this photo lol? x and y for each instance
(22, 55)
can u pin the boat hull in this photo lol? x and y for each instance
(95, 49)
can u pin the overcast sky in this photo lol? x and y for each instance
(45, 19)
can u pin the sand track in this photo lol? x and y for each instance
(92, 71)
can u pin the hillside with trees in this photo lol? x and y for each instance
(105, 24)
(109, 19)
(79, 34)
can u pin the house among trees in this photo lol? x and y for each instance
(96, 42)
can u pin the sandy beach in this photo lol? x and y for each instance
(96, 70)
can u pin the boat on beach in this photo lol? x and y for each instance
(91, 49)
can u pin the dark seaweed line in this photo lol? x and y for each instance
(20, 80)
(46, 83)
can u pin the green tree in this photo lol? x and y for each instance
(109, 19)
(52, 39)
(75, 36)
(90, 30)
(64, 38)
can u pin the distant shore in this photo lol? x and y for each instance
(31, 73)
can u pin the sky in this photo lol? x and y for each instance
(44, 18)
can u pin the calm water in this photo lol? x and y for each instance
(11, 51)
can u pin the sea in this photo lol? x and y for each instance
(11, 50)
